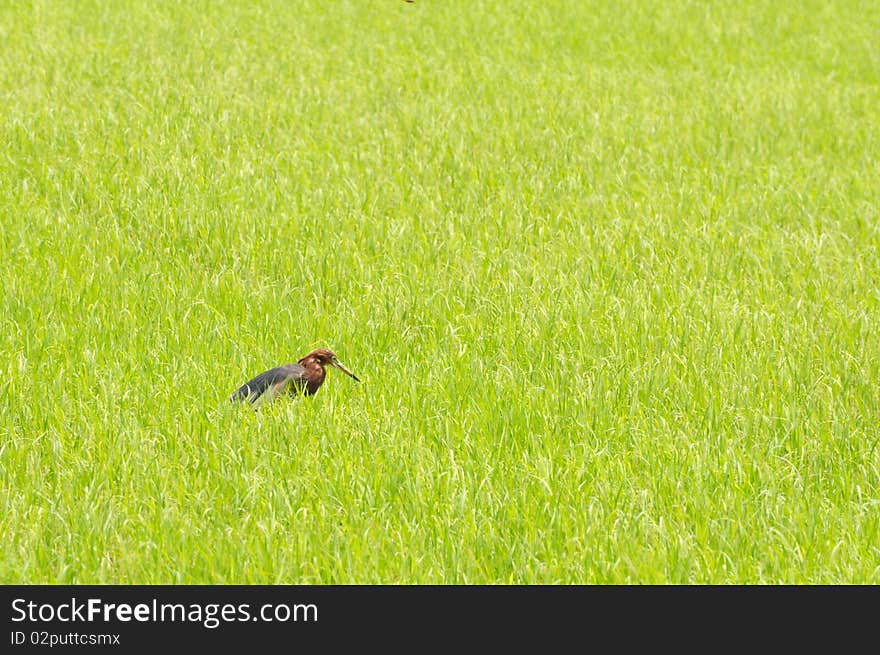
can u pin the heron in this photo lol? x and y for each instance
(305, 377)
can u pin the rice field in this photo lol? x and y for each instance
(608, 272)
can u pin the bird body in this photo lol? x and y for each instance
(305, 377)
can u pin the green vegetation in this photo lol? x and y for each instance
(609, 272)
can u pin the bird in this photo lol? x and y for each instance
(305, 377)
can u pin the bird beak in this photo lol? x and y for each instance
(345, 370)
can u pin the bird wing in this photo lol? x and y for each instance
(280, 375)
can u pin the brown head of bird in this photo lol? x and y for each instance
(306, 377)
(314, 364)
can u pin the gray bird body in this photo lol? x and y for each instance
(290, 378)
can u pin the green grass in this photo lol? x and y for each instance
(609, 272)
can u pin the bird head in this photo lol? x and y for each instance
(326, 357)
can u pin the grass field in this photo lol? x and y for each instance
(608, 271)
